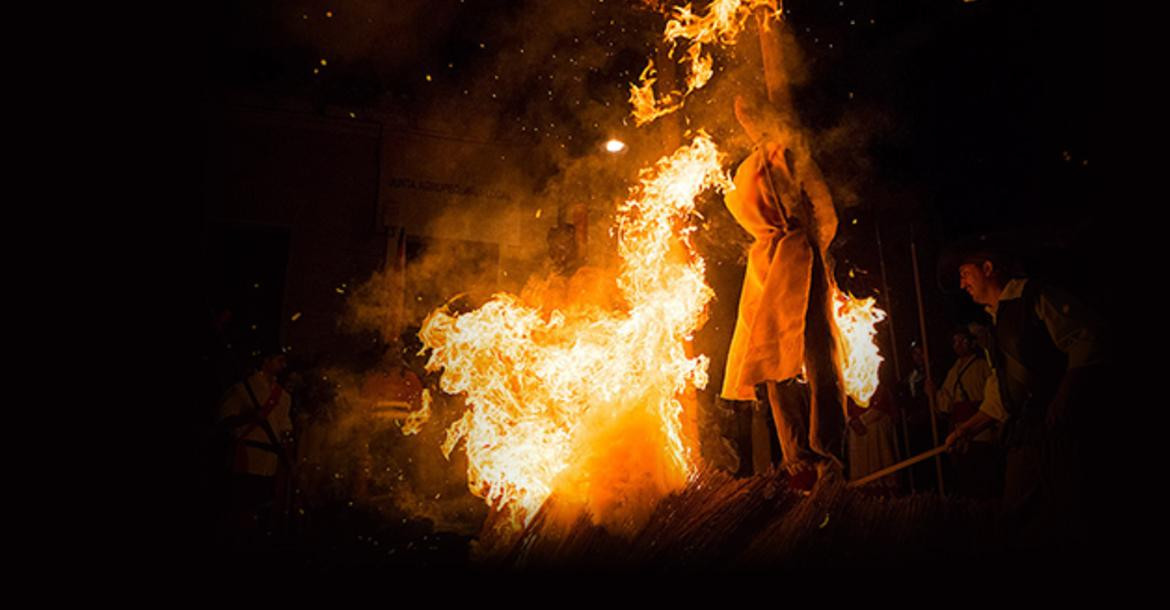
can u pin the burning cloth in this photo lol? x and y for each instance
(785, 326)
(769, 341)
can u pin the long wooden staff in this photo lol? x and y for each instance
(930, 397)
(896, 467)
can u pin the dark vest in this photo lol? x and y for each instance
(1027, 363)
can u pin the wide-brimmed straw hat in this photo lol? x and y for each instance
(997, 248)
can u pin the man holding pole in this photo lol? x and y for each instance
(1047, 359)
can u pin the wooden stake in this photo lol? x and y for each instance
(926, 360)
(893, 337)
(774, 79)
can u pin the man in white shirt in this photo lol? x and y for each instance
(256, 411)
(978, 470)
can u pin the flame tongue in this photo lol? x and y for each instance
(721, 24)
(583, 401)
(857, 320)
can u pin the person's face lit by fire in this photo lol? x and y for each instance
(979, 281)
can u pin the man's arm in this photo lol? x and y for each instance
(991, 412)
(1076, 331)
(957, 440)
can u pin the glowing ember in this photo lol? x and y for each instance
(580, 400)
(721, 24)
(615, 146)
(857, 319)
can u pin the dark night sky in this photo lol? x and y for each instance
(985, 111)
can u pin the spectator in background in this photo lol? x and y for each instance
(978, 471)
(872, 437)
(255, 415)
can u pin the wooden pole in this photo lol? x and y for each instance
(893, 337)
(776, 86)
(774, 79)
(886, 296)
(888, 470)
(926, 360)
(400, 278)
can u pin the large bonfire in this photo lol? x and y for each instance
(584, 401)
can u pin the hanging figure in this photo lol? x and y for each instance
(785, 338)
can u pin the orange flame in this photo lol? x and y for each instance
(721, 24)
(414, 422)
(583, 401)
(857, 320)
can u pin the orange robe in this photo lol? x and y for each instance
(768, 341)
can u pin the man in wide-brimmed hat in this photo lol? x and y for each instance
(1046, 353)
